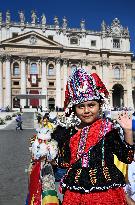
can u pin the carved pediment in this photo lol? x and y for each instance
(31, 39)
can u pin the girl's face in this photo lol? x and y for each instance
(87, 112)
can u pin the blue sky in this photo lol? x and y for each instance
(92, 11)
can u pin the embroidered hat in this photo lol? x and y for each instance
(82, 87)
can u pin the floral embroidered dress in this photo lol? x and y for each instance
(91, 164)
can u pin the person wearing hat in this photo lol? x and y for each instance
(88, 145)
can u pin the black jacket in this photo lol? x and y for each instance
(96, 176)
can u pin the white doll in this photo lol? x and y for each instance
(44, 145)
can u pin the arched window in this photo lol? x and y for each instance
(93, 68)
(16, 70)
(16, 102)
(117, 73)
(51, 70)
(118, 96)
(33, 69)
(51, 103)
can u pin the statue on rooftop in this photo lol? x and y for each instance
(22, 17)
(43, 19)
(33, 17)
(0, 17)
(82, 24)
(103, 26)
(64, 25)
(56, 21)
(8, 17)
(126, 32)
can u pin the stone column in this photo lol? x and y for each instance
(84, 64)
(129, 86)
(111, 100)
(23, 81)
(58, 84)
(44, 83)
(28, 92)
(65, 77)
(100, 70)
(125, 98)
(105, 74)
(7, 99)
(1, 84)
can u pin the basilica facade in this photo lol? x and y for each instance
(37, 58)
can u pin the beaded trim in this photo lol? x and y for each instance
(92, 174)
(92, 188)
(104, 128)
(106, 173)
(85, 159)
(82, 142)
(78, 173)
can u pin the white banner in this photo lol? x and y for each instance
(34, 79)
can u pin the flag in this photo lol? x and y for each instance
(34, 196)
(49, 197)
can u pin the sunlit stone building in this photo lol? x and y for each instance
(36, 59)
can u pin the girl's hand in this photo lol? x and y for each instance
(125, 121)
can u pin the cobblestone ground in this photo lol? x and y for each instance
(14, 160)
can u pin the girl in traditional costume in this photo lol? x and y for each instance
(87, 148)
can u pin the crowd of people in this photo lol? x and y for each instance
(79, 162)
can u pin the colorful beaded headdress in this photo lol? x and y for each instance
(83, 87)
